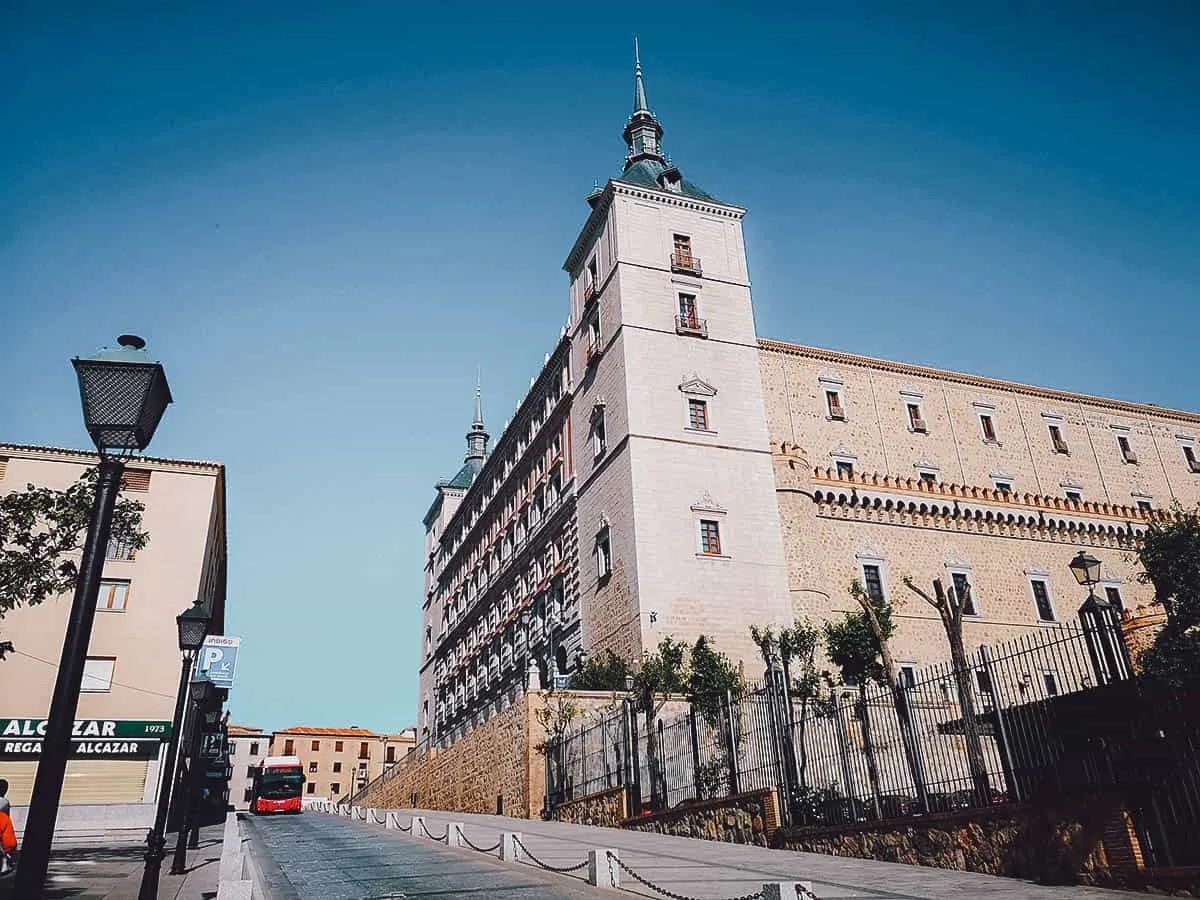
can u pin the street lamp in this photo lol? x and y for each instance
(202, 691)
(124, 394)
(192, 625)
(1101, 632)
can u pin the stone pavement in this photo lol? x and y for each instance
(709, 870)
(114, 872)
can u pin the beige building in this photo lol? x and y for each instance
(247, 747)
(132, 670)
(339, 761)
(671, 473)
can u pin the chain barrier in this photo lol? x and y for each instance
(562, 870)
(428, 833)
(757, 895)
(375, 818)
(467, 841)
(400, 827)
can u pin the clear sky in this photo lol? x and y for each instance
(324, 216)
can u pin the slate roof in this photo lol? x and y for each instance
(465, 475)
(646, 171)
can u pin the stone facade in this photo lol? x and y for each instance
(1089, 843)
(749, 818)
(604, 809)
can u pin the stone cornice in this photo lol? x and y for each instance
(979, 381)
(965, 508)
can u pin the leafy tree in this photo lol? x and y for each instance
(853, 647)
(1169, 551)
(555, 719)
(711, 679)
(797, 648)
(605, 672)
(42, 531)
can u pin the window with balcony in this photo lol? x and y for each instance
(113, 596)
(688, 321)
(710, 537)
(119, 549)
(593, 338)
(682, 258)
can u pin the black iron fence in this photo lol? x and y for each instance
(1007, 725)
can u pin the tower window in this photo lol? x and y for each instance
(1113, 593)
(1189, 456)
(988, 427)
(845, 469)
(963, 593)
(1057, 440)
(872, 581)
(687, 310)
(697, 414)
(599, 433)
(833, 403)
(710, 537)
(916, 419)
(603, 553)
(928, 478)
(1041, 600)
(1126, 448)
(1075, 496)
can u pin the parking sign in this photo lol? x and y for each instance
(218, 659)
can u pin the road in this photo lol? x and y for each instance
(705, 870)
(326, 858)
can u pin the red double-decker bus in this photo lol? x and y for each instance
(277, 785)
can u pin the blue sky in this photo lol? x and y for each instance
(323, 217)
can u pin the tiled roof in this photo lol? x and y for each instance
(243, 729)
(349, 732)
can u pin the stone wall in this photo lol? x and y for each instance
(1141, 627)
(749, 818)
(1088, 844)
(603, 808)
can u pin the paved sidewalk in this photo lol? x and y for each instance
(114, 872)
(709, 870)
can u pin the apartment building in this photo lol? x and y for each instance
(247, 747)
(132, 670)
(339, 761)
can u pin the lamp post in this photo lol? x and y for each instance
(202, 692)
(124, 394)
(1105, 645)
(193, 626)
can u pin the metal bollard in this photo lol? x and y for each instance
(454, 834)
(603, 871)
(787, 890)
(508, 846)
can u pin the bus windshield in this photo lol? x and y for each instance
(279, 784)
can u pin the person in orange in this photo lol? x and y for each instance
(8, 835)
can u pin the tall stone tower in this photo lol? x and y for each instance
(676, 496)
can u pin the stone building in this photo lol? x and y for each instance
(132, 669)
(339, 761)
(671, 473)
(247, 747)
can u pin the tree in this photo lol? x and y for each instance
(41, 533)
(1169, 551)
(950, 609)
(662, 673)
(797, 647)
(713, 681)
(605, 672)
(854, 648)
(555, 718)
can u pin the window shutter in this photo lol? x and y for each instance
(137, 479)
(3, 465)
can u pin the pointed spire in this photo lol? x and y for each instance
(477, 437)
(639, 89)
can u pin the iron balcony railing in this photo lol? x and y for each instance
(685, 262)
(691, 325)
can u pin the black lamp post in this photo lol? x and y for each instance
(1101, 631)
(124, 395)
(202, 692)
(193, 626)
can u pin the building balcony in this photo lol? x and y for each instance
(681, 262)
(593, 353)
(691, 325)
(590, 293)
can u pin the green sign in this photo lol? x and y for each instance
(90, 738)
